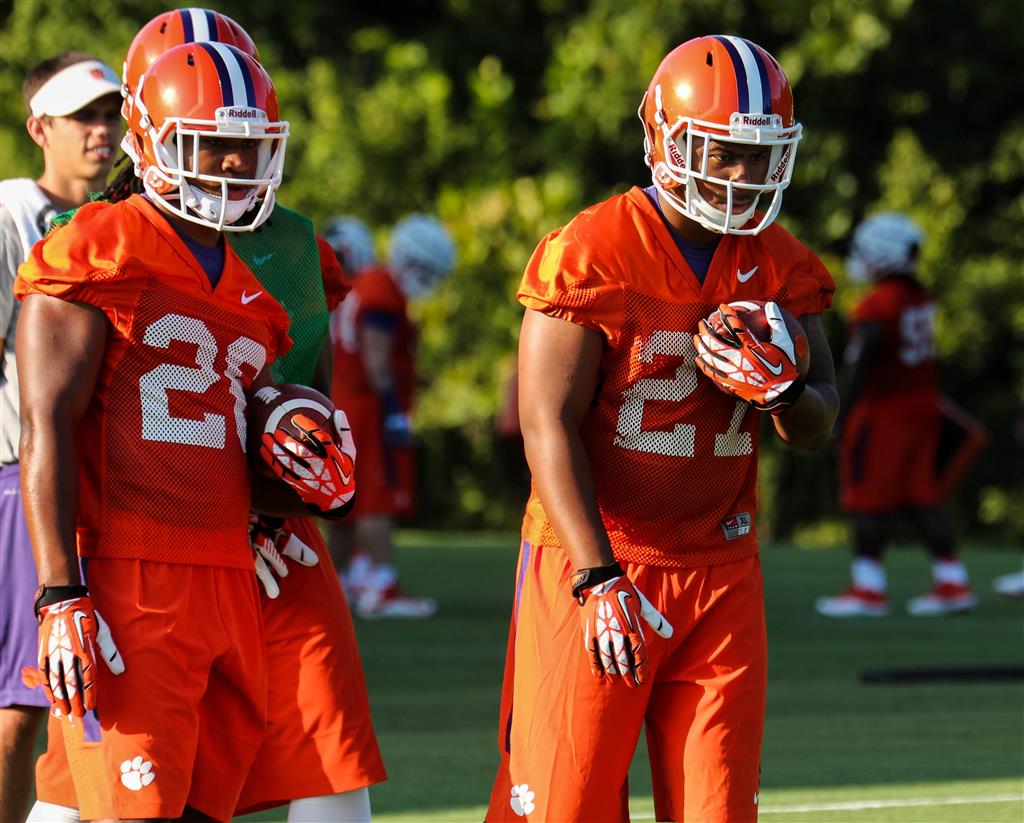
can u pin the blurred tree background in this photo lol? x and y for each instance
(506, 118)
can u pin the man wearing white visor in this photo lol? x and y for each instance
(74, 106)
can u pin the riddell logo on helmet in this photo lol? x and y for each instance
(780, 169)
(229, 113)
(743, 120)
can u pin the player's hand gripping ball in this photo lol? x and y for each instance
(756, 351)
(295, 433)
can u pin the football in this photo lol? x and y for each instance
(273, 407)
(752, 313)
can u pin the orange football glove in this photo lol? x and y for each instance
(763, 374)
(319, 466)
(70, 632)
(610, 615)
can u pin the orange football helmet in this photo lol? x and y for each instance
(725, 89)
(175, 28)
(194, 93)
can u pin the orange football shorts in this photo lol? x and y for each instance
(320, 738)
(568, 737)
(182, 724)
(887, 457)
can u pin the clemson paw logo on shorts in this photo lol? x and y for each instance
(522, 799)
(136, 774)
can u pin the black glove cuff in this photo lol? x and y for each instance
(336, 513)
(269, 523)
(783, 401)
(48, 595)
(585, 578)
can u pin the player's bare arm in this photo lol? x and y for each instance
(375, 345)
(69, 339)
(807, 424)
(860, 357)
(558, 372)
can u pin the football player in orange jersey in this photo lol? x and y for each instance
(134, 443)
(313, 661)
(638, 597)
(891, 423)
(73, 116)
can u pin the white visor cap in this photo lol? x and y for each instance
(74, 88)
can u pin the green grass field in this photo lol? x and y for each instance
(835, 749)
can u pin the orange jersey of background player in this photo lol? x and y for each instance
(375, 298)
(888, 449)
(336, 284)
(169, 403)
(905, 363)
(616, 269)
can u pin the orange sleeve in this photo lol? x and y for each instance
(336, 284)
(570, 278)
(810, 286)
(76, 261)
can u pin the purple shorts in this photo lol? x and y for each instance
(19, 632)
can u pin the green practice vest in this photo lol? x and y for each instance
(283, 254)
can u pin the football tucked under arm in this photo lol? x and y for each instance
(755, 351)
(302, 439)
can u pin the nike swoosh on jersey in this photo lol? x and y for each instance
(743, 277)
(248, 298)
(774, 368)
(259, 261)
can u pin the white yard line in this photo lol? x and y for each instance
(859, 805)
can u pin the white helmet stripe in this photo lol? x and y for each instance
(200, 25)
(236, 74)
(750, 68)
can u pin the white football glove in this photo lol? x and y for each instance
(271, 545)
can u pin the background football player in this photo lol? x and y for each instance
(374, 381)
(890, 426)
(638, 597)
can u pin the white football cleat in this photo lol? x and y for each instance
(853, 602)
(1010, 585)
(393, 602)
(943, 599)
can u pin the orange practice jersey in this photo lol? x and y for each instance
(905, 364)
(374, 292)
(161, 448)
(674, 459)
